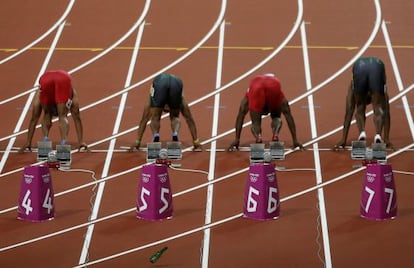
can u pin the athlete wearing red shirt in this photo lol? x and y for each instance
(56, 97)
(265, 96)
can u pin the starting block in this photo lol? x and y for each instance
(153, 151)
(43, 150)
(359, 150)
(257, 151)
(63, 155)
(174, 150)
(379, 151)
(277, 150)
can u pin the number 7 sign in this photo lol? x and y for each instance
(379, 197)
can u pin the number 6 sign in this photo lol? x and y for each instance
(378, 197)
(36, 195)
(261, 197)
(154, 200)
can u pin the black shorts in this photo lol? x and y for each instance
(166, 89)
(368, 76)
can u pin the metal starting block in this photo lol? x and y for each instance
(43, 150)
(277, 150)
(174, 150)
(359, 149)
(257, 152)
(153, 151)
(379, 151)
(64, 156)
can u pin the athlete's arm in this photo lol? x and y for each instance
(74, 110)
(243, 110)
(387, 122)
(291, 123)
(146, 116)
(186, 112)
(36, 112)
(349, 111)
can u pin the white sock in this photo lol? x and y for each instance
(378, 138)
(362, 135)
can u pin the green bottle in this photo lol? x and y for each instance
(157, 255)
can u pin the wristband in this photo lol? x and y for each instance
(196, 141)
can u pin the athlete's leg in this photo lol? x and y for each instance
(62, 112)
(156, 113)
(256, 125)
(175, 123)
(360, 115)
(276, 124)
(46, 124)
(378, 104)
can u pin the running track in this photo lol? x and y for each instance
(114, 49)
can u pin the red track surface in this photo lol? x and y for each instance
(336, 31)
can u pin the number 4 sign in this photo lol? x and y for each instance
(36, 195)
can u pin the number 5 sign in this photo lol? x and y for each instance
(378, 197)
(154, 200)
(261, 197)
(36, 195)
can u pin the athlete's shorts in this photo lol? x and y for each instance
(265, 95)
(368, 76)
(55, 88)
(166, 89)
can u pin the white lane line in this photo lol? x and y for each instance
(321, 137)
(186, 55)
(96, 206)
(139, 22)
(43, 36)
(98, 56)
(200, 186)
(31, 96)
(231, 218)
(212, 30)
(212, 162)
(398, 77)
(289, 37)
(314, 132)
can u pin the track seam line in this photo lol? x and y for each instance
(236, 216)
(212, 162)
(398, 77)
(31, 96)
(317, 160)
(100, 55)
(43, 36)
(105, 171)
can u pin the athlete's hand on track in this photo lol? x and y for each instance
(197, 147)
(133, 146)
(234, 146)
(27, 147)
(297, 144)
(83, 146)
